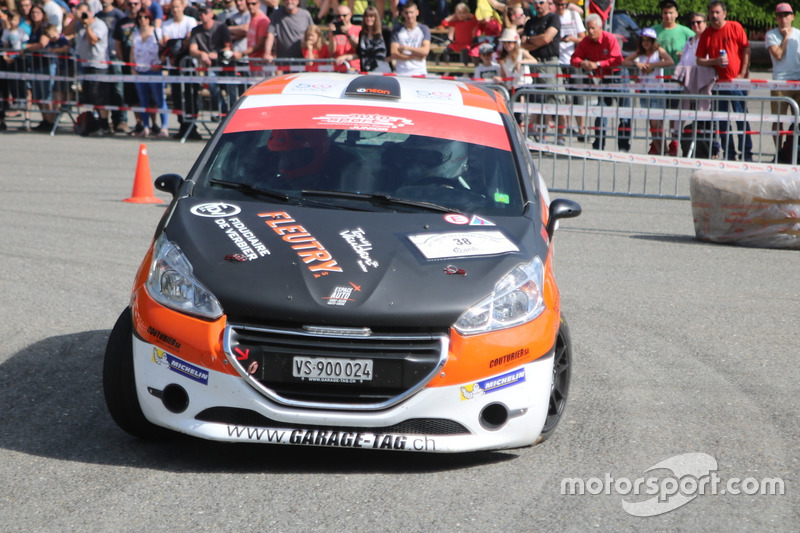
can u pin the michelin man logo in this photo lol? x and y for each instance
(471, 391)
(160, 357)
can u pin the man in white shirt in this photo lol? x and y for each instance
(411, 43)
(179, 26)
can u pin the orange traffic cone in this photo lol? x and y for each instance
(143, 183)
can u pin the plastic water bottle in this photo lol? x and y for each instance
(724, 55)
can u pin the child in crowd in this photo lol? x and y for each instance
(13, 36)
(461, 27)
(314, 48)
(514, 61)
(58, 46)
(650, 59)
(488, 69)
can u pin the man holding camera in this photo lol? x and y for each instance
(344, 40)
(91, 45)
(210, 45)
(237, 18)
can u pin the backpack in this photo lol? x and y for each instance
(86, 123)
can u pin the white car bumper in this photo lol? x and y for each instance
(523, 392)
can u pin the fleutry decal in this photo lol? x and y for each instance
(357, 239)
(462, 244)
(308, 248)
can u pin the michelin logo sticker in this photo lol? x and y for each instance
(491, 385)
(195, 373)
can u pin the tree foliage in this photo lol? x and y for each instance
(752, 14)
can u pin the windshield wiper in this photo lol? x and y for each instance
(251, 189)
(380, 199)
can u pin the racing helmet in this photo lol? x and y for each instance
(300, 152)
(431, 157)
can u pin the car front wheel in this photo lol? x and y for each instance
(119, 383)
(559, 389)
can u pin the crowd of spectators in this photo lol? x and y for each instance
(508, 42)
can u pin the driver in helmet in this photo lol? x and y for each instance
(299, 154)
(436, 161)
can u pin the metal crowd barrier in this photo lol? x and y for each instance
(44, 80)
(630, 128)
(208, 94)
(199, 97)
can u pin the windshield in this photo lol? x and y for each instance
(455, 174)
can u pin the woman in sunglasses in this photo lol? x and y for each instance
(372, 47)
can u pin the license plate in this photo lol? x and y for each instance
(332, 369)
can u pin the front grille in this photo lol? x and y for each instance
(413, 426)
(402, 364)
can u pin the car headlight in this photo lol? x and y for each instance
(516, 299)
(172, 284)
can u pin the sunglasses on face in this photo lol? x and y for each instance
(694, 22)
(781, 15)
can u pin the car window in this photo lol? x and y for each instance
(465, 176)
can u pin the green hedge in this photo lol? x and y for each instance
(755, 15)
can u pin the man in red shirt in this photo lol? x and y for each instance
(256, 35)
(344, 40)
(728, 36)
(599, 54)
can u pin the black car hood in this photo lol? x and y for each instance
(289, 265)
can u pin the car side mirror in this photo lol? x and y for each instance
(170, 183)
(561, 208)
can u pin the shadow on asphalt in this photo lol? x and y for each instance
(53, 406)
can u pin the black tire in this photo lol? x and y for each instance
(562, 373)
(119, 383)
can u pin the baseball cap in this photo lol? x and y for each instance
(649, 32)
(668, 3)
(783, 7)
(202, 7)
(486, 49)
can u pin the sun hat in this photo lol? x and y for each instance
(509, 35)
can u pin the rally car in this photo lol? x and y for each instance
(353, 261)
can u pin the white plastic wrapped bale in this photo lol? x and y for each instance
(749, 208)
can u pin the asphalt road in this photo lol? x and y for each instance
(681, 348)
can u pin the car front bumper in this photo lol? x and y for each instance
(506, 410)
